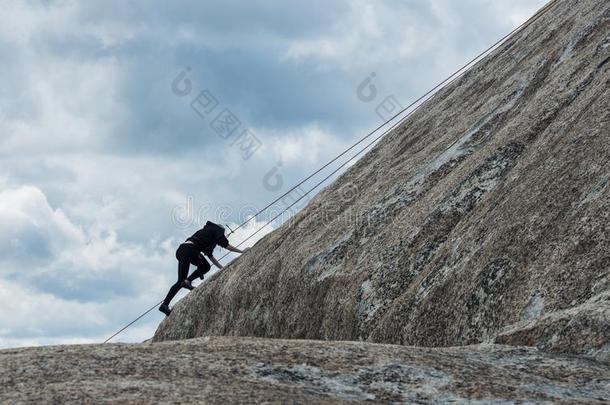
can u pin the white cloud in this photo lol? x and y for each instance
(56, 102)
(31, 318)
(74, 109)
(32, 315)
(80, 283)
(306, 146)
(390, 32)
(253, 226)
(372, 33)
(28, 224)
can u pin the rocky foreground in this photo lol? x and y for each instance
(244, 370)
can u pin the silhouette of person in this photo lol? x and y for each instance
(190, 252)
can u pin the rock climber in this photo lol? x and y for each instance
(189, 252)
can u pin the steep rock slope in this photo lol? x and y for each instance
(488, 207)
(244, 370)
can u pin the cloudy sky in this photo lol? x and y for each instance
(125, 125)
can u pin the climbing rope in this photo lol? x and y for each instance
(415, 105)
(432, 91)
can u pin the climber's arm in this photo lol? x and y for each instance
(234, 249)
(216, 262)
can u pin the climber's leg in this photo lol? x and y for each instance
(202, 267)
(183, 268)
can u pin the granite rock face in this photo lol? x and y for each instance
(581, 330)
(245, 370)
(489, 207)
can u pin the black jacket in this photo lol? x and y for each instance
(208, 237)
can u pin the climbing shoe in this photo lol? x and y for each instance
(165, 309)
(187, 284)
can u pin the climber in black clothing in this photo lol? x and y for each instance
(204, 240)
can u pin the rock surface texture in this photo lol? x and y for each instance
(483, 217)
(244, 370)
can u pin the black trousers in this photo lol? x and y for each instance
(187, 254)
